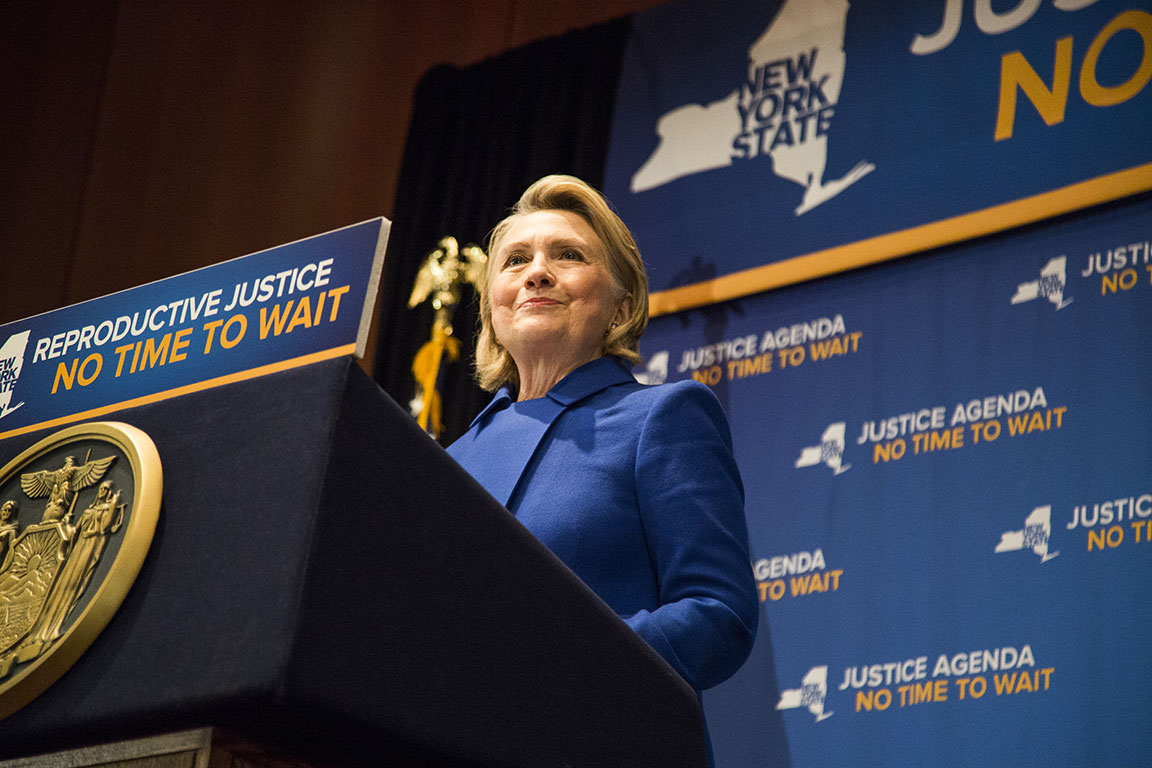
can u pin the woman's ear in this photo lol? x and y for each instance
(623, 310)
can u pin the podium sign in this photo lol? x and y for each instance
(290, 305)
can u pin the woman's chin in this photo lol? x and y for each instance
(533, 331)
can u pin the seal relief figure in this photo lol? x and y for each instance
(47, 566)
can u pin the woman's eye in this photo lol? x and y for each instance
(572, 255)
(514, 259)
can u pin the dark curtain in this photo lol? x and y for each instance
(479, 136)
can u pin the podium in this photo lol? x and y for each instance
(326, 581)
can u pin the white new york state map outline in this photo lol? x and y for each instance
(12, 361)
(695, 138)
(815, 684)
(1013, 541)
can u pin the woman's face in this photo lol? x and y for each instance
(552, 294)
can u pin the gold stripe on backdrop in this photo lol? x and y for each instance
(874, 250)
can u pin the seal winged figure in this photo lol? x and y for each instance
(61, 485)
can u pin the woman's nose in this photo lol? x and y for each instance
(539, 272)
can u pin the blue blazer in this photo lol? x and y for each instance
(636, 490)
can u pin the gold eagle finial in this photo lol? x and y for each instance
(440, 277)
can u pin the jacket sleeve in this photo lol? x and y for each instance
(691, 504)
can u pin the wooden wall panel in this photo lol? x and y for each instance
(154, 138)
(53, 58)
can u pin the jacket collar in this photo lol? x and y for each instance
(501, 470)
(583, 382)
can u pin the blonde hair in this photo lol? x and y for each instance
(494, 365)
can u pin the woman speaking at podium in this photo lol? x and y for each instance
(634, 487)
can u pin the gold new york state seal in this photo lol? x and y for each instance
(77, 514)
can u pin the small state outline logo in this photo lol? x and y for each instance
(810, 695)
(11, 364)
(830, 451)
(1050, 285)
(1035, 535)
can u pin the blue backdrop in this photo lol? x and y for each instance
(933, 470)
(948, 458)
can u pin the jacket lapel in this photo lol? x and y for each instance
(505, 445)
(509, 442)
